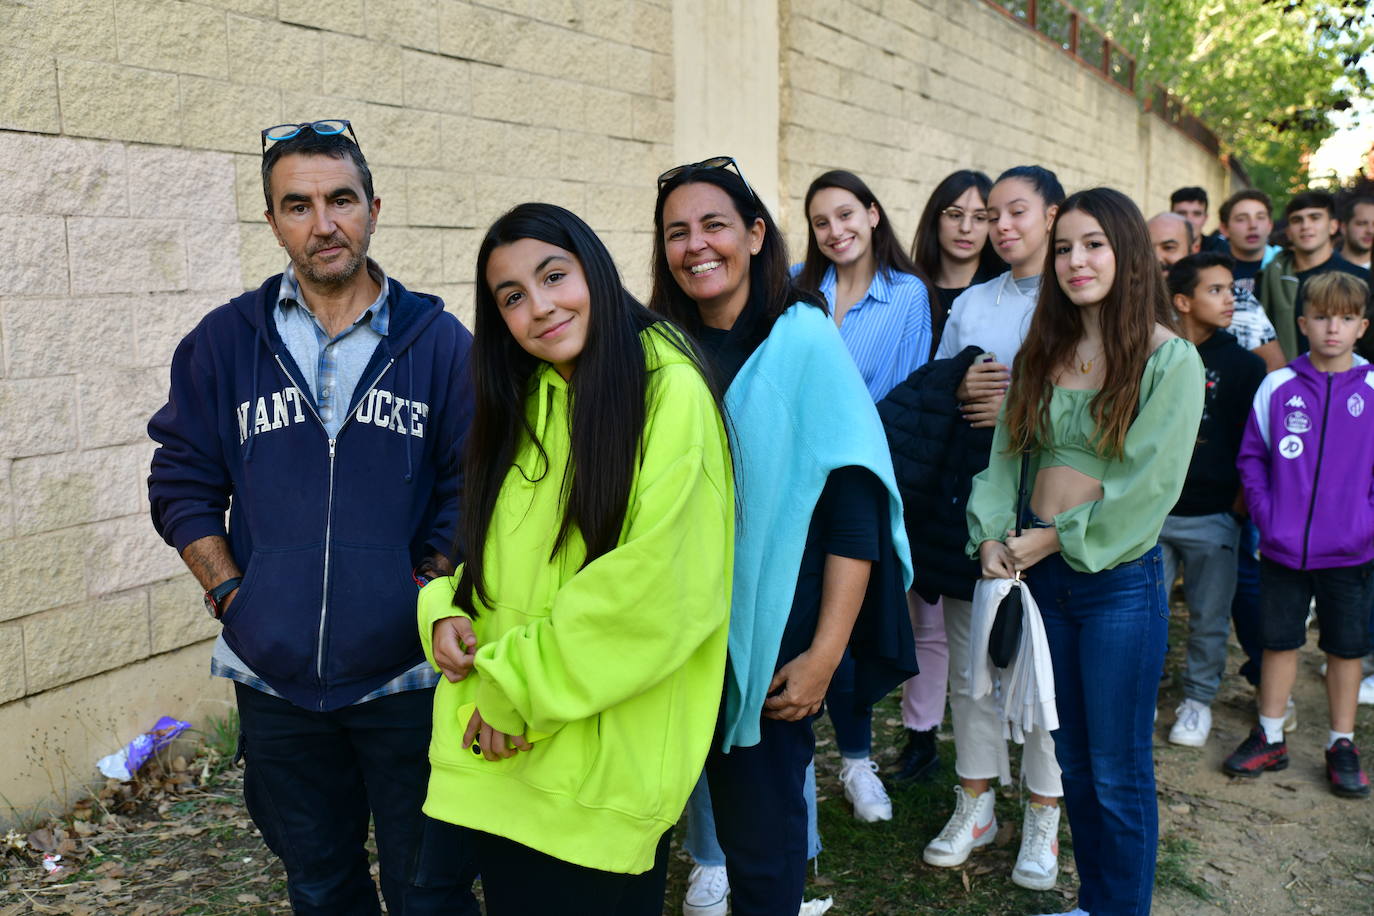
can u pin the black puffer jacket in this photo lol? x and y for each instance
(935, 454)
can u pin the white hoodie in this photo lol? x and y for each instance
(994, 316)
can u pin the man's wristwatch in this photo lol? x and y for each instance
(214, 597)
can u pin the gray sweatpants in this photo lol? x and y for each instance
(1204, 547)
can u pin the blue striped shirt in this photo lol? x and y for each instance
(888, 330)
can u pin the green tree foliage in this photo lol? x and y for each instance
(1265, 75)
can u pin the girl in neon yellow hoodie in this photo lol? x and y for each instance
(583, 643)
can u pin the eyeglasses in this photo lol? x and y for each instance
(955, 215)
(715, 162)
(326, 128)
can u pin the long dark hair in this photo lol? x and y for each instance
(887, 251)
(1133, 306)
(608, 398)
(925, 247)
(770, 280)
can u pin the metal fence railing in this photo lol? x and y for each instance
(1063, 24)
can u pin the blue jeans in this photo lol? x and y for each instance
(853, 728)
(700, 837)
(1107, 635)
(311, 782)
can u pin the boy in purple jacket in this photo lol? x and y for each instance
(1307, 467)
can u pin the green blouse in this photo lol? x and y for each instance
(1139, 489)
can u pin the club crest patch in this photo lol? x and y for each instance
(1355, 404)
(1290, 447)
(1297, 422)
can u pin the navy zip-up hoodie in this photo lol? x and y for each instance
(326, 532)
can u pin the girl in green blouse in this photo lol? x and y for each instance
(1106, 399)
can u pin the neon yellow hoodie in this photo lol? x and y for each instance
(622, 662)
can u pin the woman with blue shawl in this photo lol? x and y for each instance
(821, 556)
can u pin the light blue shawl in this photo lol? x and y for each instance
(798, 410)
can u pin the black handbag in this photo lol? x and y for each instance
(1005, 637)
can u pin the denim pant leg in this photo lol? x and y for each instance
(853, 727)
(425, 867)
(1207, 545)
(700, 838)
(305, 792)
(757, 796)
(313, 779)
(1107, 638)
(1245, 606)
(1071, 738)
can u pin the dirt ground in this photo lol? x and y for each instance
(179, 841)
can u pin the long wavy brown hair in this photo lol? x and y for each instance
(1137, 301)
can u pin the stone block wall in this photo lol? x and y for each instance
(903, 92)
(129, 152)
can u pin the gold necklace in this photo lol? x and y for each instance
(1086, 365)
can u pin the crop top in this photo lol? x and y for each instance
(1139, 488)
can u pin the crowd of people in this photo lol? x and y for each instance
(652, 543)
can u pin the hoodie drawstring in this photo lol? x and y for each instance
(258, 344)
(410, 395)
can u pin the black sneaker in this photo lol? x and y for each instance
(1256, 754)
(919, 759)
(1344, 770)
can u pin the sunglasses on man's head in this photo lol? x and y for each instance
(326, 128)
(715, 162)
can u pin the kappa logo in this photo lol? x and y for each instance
(1290, 447)
(1297, 422)
(1355, 404)
(1296, 401)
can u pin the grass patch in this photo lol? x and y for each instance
(1173, 868)
(877, 868)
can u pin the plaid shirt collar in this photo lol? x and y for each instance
(289, 296)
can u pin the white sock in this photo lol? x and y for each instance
(1333, 737)
(1273, 728)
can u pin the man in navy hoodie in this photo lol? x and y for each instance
(325, 411)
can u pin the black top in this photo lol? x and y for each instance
(1246, 273)
(1335, 262)
(845, 524)
(944, 301)
(1232, 375)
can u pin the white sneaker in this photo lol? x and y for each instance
(816, 907)
(1367, 691)
(708, 887)
(972, 824)
(864, 790)
(1290, 717)
(1037, 864)
(1193, 725)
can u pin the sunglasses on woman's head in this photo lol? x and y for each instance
(715, 162)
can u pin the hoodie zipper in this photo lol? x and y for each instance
(1317, 474)
(328, 515)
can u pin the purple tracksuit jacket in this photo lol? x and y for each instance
(1307, 465)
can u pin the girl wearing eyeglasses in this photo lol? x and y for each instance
(821, 561)
(951, 241)
(583, 640)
